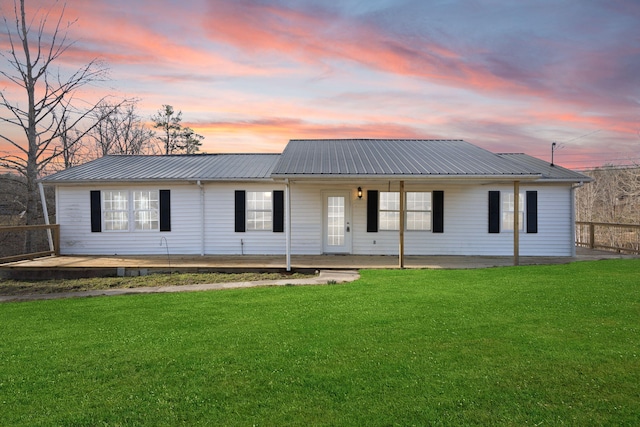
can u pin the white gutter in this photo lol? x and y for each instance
(325, 177)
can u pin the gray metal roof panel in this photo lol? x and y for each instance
(324, 159)
(174, 167)
(547, 172)
(387, 157)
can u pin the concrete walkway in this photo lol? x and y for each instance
(325, 277)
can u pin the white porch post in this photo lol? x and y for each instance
(287, 209)
(572, 243)
(202, 226)
(45, 211)
(516, 222)
(401, 249)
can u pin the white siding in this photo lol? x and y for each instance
(466, 226)
(465, 223)
(307, 217)
(220, 234)
(74, 217)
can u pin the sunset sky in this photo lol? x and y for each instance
(509, 76)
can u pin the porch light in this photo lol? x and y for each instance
(359, 192)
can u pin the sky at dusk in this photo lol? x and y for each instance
(509, 76)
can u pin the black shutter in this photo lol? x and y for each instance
(165, 210)
(372, 211)
(532, 211)
(438, 211)
(240, 211)
(494, 211)
(96, 212)
(278, 211)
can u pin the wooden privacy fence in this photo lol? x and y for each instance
(621, 238)
(28, 242)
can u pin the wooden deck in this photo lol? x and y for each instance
(87, 266)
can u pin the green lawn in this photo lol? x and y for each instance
(542, 345)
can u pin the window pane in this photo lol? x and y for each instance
(418, 220)
(508, 204)
(145, 205)
(389, 201)
(259, 206)
(116, 210)
(116, 220)
(115, 200)
(147, 220)
(257, 220)
(507, 221)
(145, 200)
(418, 201)
(258, 200)
(335, 221)
(389, 220)
(389, 210)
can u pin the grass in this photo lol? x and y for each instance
(541, 345)
(22, 287)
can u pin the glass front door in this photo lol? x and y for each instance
(337, 224)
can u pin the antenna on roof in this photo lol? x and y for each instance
(555, 146)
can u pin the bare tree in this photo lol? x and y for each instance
(120, 132)
(47, 111)
(614, 198)
(70, 148)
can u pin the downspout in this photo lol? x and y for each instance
(46, 216)
(573, 217)
(201, 217)
(287, 209)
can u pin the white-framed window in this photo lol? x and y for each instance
(508, 209)
(145, 210)
(259, 210)
(116, 210)
(418, 210)
(389, 210)
(125, 210)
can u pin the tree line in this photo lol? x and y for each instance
(612, 197)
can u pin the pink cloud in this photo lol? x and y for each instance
(318, 36)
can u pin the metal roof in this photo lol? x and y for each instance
(341, 158)
(205, 167)
(548, 172)
(392, 157)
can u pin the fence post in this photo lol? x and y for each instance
(56, 239)
(592, 235)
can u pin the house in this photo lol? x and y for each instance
(369, 197)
